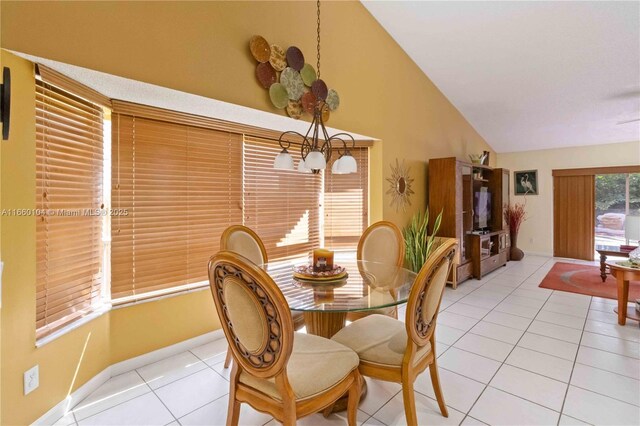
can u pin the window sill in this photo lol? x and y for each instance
(116, 304)
(163, 294)
(73, 325)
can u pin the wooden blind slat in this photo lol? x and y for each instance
(346, 204)
(69, 156)
(281, 206)
(159, 114)
(181, 187)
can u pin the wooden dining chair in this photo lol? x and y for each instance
(382, 243)
(392, 351)
(276, 370)
(244, 241)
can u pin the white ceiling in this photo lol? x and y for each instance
(125, 89)
(528, 75)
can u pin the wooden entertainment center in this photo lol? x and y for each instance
(472, 198)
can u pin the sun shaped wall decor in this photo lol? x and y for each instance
(400, 183)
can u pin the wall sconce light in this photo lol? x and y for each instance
(5, 102)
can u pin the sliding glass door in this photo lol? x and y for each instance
(617, 209)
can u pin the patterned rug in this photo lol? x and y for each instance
(585, 279)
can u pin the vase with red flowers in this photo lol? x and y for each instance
(514, 215)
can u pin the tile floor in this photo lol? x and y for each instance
(510, 353)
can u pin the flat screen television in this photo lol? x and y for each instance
(482, 210)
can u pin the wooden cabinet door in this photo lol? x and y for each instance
(574, 216)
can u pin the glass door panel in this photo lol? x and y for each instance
(617, 209)
(467, 212)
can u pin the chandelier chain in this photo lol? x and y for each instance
(318, 64)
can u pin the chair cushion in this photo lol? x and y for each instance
(378, 339)
(316, 365)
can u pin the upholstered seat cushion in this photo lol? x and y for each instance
(316, 365)
(378, 339)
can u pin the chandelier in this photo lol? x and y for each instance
(316, 146)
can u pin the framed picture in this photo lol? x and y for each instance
(525, 182)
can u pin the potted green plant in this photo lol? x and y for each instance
(419, 245)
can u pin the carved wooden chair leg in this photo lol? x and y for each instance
(354, 399)
(233, 412)
(435, 381)
(409, 399)
(327, 411)
(227, 360)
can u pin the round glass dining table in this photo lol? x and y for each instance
(368, 286)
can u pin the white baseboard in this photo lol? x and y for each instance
(537, 253)
(64, 406)
(162, 353)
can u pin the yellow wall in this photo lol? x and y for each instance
(536, 234)
(201, 48)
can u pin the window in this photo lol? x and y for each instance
(282, 207)
(175, 189)
(69, 167)
(617, 208)
(138, 212)
(346, 207)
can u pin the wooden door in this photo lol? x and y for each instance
(574, 216)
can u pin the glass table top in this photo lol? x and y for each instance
(370, 285)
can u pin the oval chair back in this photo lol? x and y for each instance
(244, 241)
(426, 293)
(254, 314)
(382, 242)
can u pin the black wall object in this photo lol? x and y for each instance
(5, 102)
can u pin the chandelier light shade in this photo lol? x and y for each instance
(316, 146)
(283, 161)
(315, 160)
(336, 169)
(348, 163)
(302, 167)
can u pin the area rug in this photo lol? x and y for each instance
(585, 279)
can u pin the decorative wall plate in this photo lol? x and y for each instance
(279, 96)
(294, 109)
(265, 74)
(400, 183)
(308, 102)
(295, 58)
(319, 88)
(292, 81)
(308, 74)
(326, 114)
(277, 58)
(284, 72)
(333, 100)
(260, 48)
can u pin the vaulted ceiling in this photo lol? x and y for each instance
(528, 75)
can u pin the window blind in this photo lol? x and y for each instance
(282, 207)
(69, 166)
(175, 189)
(346, 201)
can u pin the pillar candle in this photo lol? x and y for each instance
(322, 260)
